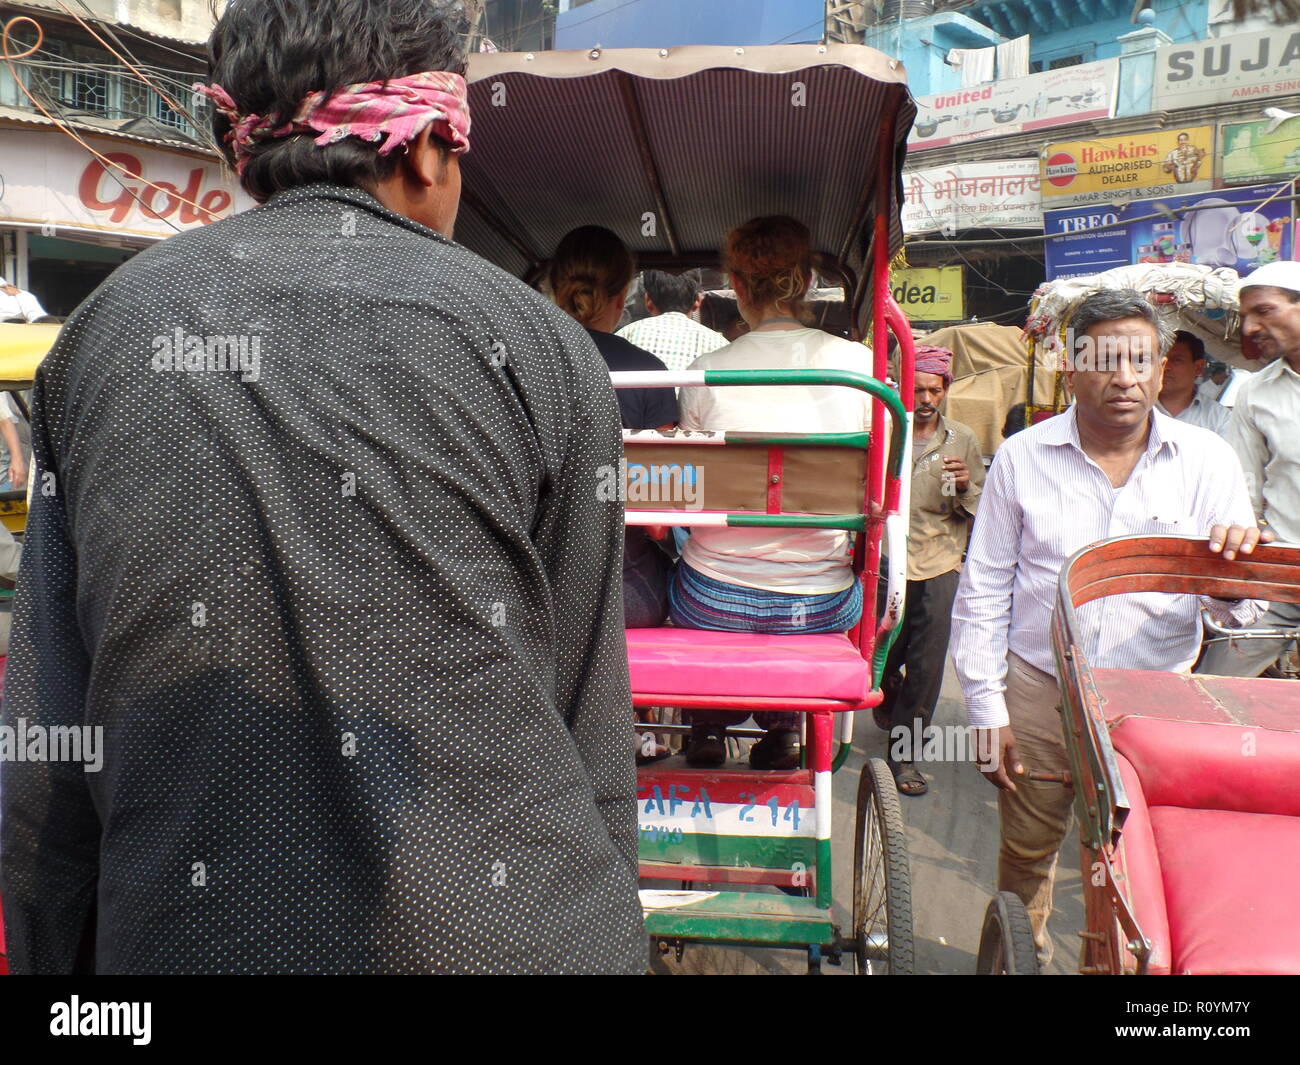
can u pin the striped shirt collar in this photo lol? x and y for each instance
(1064, 429)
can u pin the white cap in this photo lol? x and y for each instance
(1273, 275)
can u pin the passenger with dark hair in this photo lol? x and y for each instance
(326, 564)
(670, 332)
(589, 277)
(1179, 397)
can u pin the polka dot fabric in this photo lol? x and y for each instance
(347, 608)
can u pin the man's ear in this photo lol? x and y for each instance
(426, 160)
(699, 301)
(650, 307)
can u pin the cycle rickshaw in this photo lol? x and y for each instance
(1184, 785)
(22, 347)
(669, 148)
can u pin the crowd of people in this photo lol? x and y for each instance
(355, 631)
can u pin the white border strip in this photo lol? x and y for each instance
(695, 518)
(678, 436)
(657, 378)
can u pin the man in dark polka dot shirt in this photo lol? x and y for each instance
(316, 544)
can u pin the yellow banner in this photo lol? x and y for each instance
(1114, 169)
(930, 294)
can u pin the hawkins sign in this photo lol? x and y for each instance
(1227, 69)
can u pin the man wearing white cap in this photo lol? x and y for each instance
(1265, 433)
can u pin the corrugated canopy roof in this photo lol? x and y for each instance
(700, 139)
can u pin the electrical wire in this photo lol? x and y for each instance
(176, 107)
(65, 127)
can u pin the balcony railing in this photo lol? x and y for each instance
(73, 88)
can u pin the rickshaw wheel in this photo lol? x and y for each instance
(1007, 942)
(882, 882)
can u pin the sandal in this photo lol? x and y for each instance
(779, 749)
(707, 747)
(908, 779)
(660, 751)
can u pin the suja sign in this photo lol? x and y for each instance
(1227, 69)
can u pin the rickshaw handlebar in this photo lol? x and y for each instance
(1182, 565)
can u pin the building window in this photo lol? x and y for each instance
(87, 87)
(1037, 66)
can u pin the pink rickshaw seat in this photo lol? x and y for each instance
(699, 662)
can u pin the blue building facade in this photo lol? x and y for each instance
(673, 23)
(1061, 33)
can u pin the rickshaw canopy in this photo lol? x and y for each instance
(670, 148)
(22, 347)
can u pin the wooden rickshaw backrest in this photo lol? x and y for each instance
(748, 477)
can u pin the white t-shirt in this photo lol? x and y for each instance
(22, 305)
(793, 561)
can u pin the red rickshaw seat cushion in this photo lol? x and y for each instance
(673, 661)
(1212, 843)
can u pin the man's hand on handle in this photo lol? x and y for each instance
(998, 759)
(1234, 539)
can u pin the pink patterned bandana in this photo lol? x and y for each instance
(396, 111)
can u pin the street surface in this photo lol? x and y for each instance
(953, 842)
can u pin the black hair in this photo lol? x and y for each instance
(1194, 343)
(671, 292)
(1015, 420)
(271, 54)
(1216, 367)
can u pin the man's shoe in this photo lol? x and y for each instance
(707, 748)
(779, 749)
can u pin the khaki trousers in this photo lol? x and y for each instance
(1036, 816)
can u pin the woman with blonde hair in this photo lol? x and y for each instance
(589, 277)
(769, 580)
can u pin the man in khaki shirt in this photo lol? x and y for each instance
(947, 474)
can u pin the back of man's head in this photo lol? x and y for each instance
(671, 292)
(269, 55)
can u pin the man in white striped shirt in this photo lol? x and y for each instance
(1110, 466)
(1265, 433)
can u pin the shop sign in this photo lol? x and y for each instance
(50, 182)
(1250, 153)
(1241, 229)
(990, 194)
(1225, 70)
(930, 294)
(1113, 169)
(1017, 105)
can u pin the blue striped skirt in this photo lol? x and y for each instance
(699, 602)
